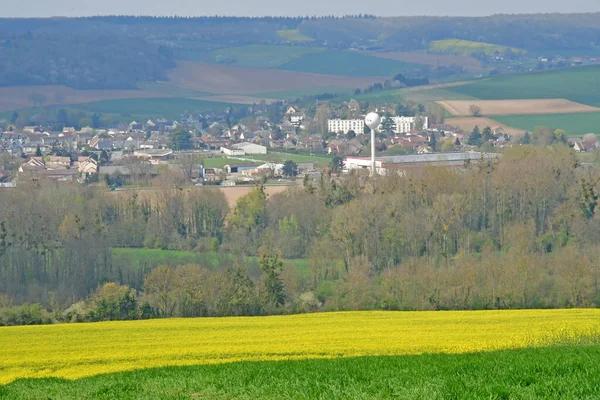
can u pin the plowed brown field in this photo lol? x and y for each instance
(15, 97)
(222, 79)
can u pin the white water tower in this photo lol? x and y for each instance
(373, 120)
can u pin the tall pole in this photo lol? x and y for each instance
(373, 164)
(373, 120)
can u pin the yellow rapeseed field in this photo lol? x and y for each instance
(79, 350)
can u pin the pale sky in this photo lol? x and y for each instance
(72, 8)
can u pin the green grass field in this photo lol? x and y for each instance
(220, 162)
(321, 160)
(573, 124)
(467, 47)
(565, 373)
(351, 63)
(293, 35)
(158, 107)
(580, 84)
(146, 259)
(261, 56)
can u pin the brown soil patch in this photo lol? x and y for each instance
(232, 193)
(222, 79)
(514, 107)
(467, 124)
(235, 192)
(15, 97)
(466, 62)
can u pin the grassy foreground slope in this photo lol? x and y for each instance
(573, 124)
(79, 350)
(553, 373)
(581, 85)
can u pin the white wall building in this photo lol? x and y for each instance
(232, 151)
(250, 148)
(406, 124)
(346, 125)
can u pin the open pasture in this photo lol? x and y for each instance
(152, 108)
(580, 84)
(260, 56)
(510, 107)
(79, 350)
(573, 123)
(221, 79)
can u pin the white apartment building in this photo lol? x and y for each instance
(346, 125)
(406, 124)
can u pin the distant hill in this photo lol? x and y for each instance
(120, 52)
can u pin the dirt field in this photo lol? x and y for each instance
(466, 62)
(467, 124)
(232, 193)
(221, 79)
(15, 97)
(516, 107)
(235, 192)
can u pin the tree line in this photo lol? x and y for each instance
(521, 232)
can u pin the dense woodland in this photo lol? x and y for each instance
(119, 52)
(522, 232)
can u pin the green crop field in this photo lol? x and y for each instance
(260, 56)
(220, 162)
(467, 47)
(293, 35)
(580, 84)
(321, 160)
(146, 259)
(349, 63)
(573, 124)
(564, 373)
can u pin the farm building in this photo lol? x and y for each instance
(231, 151)
(154, 155)
(250, 148)
(238, 168)
(385, 164)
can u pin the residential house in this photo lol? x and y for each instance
(86, 165)
(297, 118)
